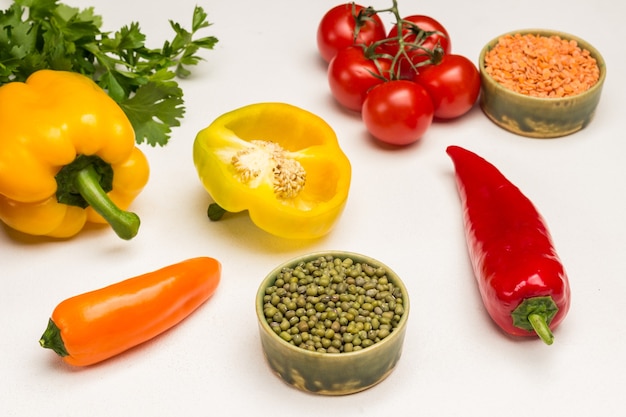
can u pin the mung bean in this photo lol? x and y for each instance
(333, 305)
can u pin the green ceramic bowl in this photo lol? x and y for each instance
(539, 117)
(331, 373)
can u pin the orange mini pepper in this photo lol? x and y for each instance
(97, 325)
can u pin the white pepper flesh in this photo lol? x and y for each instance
(333, 305)
(263, 160)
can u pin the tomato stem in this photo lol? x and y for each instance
(361, 18)
(404, 46)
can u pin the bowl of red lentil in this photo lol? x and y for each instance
(540, 83)
(332, 323)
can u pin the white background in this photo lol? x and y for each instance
(403, 209)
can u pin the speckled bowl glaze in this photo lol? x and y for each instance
(331, 373)
(539, 117)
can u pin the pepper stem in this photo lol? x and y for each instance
(535, 314)
(124, 223)
(85, 182)
(215, 212)
(51, 339)
(541, 327)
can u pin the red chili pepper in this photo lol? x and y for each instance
(521, 280)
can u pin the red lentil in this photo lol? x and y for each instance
(542, 66)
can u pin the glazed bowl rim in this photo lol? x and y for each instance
(332, 356)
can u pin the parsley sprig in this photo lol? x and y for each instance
(38, 34)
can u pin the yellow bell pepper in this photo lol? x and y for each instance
(67, 157)
(281, 163)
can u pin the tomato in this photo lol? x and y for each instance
(411, 28)
(398, 112)
(351, 75)
(337, 27)
(453, 84)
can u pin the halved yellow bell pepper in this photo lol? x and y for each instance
(279, 162)
(67, 157)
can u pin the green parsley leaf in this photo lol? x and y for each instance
(38, 34)
(166, 108)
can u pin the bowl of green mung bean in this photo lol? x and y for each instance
(332, 323)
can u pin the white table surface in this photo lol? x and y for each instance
(403, 209)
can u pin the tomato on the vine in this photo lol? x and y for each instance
(337, 29)
(351, 74)
(453, 84)
(417, 29)
(398, 112)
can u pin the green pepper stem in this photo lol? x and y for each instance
(124, 223)
(536, 314)
(51, 339)
(215, 212)
(540, 324)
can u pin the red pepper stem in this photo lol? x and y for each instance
(535, 314)
(124, 223)
(541, 327)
